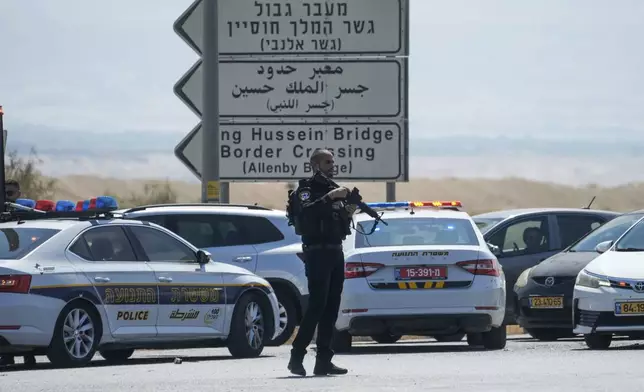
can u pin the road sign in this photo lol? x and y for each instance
(267, 151)
(302, 88)
(252, 28)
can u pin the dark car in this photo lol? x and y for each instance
(543, 294)
(523, 238)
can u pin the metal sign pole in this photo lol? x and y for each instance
(2, 154)
(210, 189)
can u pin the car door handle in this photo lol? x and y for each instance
(243, 259)
(101, 279)
(165, 279)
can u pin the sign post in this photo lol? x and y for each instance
(210, 187)
(275, 80)
(3, 147)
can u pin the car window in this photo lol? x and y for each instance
(610, 231)
(158, 219)
(105, 243)
(573, 227)
(159, 246)
(525, 237)
(211, 230)
(486, 224)
(417, 231)
(16, 243)
(260, 230)
(633, 241)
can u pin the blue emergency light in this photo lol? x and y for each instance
(26, 203)
(65, 205)
(391, 204)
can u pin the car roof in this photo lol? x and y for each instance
(503, 214)
(249, 210)
(64, 223)
(418, 213)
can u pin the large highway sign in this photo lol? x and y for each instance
(270, 152)
(302, 88)
(287, 27)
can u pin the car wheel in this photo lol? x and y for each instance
(598, 341)
(386, 338)
(116, 355)
(474, 339)
(248, 327)
(495, 339)
(456, 337)
(548, 335)
(342, 341)
(76, 335)
(288, 318)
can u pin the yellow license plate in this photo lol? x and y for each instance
(629, 308)
(546, 302)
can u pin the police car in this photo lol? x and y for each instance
(427, 272)
(608, 298)
(75, 279)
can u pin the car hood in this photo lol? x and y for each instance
(627, 265)
(564, 264)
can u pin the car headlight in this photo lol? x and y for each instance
(587, 279)
(522, 280)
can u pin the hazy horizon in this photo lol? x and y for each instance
(545, 90)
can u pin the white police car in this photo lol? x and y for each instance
(608, 298)
(428, 272)
(77, 279)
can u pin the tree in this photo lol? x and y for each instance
(26, 171)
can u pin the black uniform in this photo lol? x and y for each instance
(325, 225)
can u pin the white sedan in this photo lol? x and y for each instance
(608, 298)
(76, 282)
(428, 272)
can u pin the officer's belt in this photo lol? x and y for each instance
(322, 246)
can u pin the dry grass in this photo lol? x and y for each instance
(477, 195)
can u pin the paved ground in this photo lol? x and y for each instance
(424, 366)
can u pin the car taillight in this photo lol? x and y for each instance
(481, 267)
(15, 284)
(360, 270)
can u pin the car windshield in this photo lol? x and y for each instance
(633, 241)
(16, 243)
(417, 231)
(609, 231)
(485, 224)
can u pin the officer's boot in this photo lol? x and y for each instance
(296, 363)
(324, 366)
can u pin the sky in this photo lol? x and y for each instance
(546, 68)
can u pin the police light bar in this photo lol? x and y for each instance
(415, 204)
(24, 208)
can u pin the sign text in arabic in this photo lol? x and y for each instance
(286, 27)
(305, 88)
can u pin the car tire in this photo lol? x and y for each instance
(79, 321)
(342, 341)
(386, 338)
(598, 341)
(547, 335)
(474, 339)
(456, 337)
(248, 327)
(287, 306)
(116, 355)
(495, 339)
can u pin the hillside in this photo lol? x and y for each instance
(477, 195)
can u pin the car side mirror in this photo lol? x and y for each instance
(496, 251)
(203, 257)
(603, 246)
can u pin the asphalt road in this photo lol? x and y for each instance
(424, 366)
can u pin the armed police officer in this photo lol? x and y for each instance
(322, 217)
